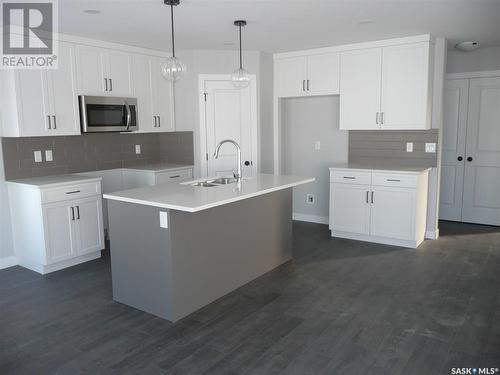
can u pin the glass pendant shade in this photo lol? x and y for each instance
(240, 78)
(173, 69)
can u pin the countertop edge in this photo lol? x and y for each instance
(415, 170)
(55, 184)
(207, 206)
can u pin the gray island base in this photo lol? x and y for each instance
(201, 256)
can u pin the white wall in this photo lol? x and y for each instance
(305, 121)
(220, 62)
(481, 59)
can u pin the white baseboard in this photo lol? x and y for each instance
(310, 218)
(8, 262)
(432, 234)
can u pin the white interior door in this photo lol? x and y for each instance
(455, 104)
(481, 201)
(230, 113)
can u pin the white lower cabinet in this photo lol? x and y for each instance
(57, 226)
(379, 206)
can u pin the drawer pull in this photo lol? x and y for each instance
(349, 178)
(73, 192)
(372, 196)
(176, 176)
(393, 180)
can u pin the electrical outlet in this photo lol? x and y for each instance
(48, 155)
(163, 219)
(310, 198)
(317, 145)
(137, 149)
(38, 156)
(409, 146)
(430, 147)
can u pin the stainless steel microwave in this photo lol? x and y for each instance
(107, 114)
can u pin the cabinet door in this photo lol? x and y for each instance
(90, 236)
(91, 70)
(59, 231)
(291, 76)
(34, 103)
(349, 208)
(405, 87)
(163, 98)
(455, 105)
(143, 93)
(119, 70)
(393, 213)
(360, 77)
(323, 74)
(62, 93)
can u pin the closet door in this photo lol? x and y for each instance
(456, 99)
(481, 201)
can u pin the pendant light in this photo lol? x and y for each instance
(240, 77)
(173, 69)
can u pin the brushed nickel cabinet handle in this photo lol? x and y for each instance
(367, 196)
(73, 192)
(78, 212)
(372, 196)
(382, 118)
(303, 85)
(159, 121)
(55, 122)
(176, 176)
(393, 180)
(307, 85)
(106, 84)
(49, 124)
(72, 213)
(110, 84)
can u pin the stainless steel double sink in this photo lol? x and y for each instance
(216, 182)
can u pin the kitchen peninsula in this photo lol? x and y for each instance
(177, 247)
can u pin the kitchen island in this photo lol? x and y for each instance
(177, 247)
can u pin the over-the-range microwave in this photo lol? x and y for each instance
(107, 114)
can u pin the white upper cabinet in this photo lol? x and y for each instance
(154, 95)
(104, 72)
(385, 88)
(360, 88)
(41, 102)
(405, 87)
(307, 75)
(291, 76)
(323, 74)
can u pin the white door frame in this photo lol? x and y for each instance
(202, 78)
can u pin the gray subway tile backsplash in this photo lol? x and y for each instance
(390, 145)
(88, 152)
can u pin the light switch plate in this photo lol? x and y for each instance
(430, 147)
(48, 155)
(38, 156)
(409, 146)
(137, 149)
(317, 145)
(163, 219)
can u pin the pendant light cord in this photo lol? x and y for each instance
(172, 21)
(241, 64)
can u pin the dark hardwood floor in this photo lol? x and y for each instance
(341, 307)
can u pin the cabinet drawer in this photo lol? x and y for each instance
(394, 179)
(70, 192)
(172, 176)
(351, 177)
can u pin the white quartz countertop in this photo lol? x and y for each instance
(185, 197)
(377, 166)
(160, 167)
(47, 181)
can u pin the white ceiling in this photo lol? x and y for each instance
(279, 25)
